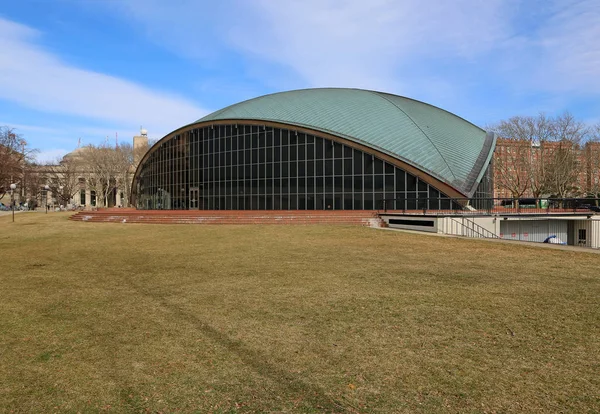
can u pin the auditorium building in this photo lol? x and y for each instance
(318, 149)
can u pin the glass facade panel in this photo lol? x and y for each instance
(249, 167)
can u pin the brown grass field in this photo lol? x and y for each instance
(227, 319)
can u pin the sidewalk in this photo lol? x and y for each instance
(39, 210)
(513, 242)
(4, 213)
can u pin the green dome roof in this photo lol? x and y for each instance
(437, 142)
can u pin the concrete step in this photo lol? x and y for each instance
(368, 218)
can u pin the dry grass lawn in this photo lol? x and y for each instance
(176, 318)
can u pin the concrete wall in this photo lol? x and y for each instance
(533, 230)
(592, 229)
(418, 223)
(469, 226)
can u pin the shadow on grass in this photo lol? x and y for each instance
(313, 396)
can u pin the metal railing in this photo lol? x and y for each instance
(569, 221)
(491, 206)
(469, 228)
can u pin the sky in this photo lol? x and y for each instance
(79, 72)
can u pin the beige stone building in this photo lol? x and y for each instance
(86, 178)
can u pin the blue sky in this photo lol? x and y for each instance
(92, 69)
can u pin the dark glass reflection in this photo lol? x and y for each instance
(249, 167)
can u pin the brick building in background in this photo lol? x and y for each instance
(532, 169)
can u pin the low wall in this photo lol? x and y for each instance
(418, 223)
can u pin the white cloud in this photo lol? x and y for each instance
(34, 78)
(401, 46)
(365, 44)
(570, 41)
(50, 155)
(29, 128)
(478, 58)
(189, 27)
(379, 44)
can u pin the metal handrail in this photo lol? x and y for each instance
(492, 206)
(480, 231)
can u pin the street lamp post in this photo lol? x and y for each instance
(61, 194)
(12, 199)
(46, 187)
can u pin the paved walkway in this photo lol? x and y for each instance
(513, 242)
(4, 213)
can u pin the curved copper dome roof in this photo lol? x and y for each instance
(431, 139)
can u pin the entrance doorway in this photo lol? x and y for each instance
(194, 198)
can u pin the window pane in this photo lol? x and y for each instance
(379, 183)
(368, 159)
(348, 185)
(301, 185)
(301, 168)
(269, 138)
(358, 205)
(310, 168)
(319, 170)
(319, 184)
(328, 149)
(357, 162)
(285, 154)
(318, 148)
(389, 183)
(310, 185)
(368, 201)
(337, 150)
(277, 138)
(411, 182)
(301, 152)
(358, 183)
(400, 180)
(338, 185)
(368, 183)
(348, 166)
(337, 167)
(378, 166)
(328, 167)
(310, 152)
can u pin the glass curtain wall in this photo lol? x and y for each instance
(250, 167)
(483, 197)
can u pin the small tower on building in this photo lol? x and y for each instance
(140, 145)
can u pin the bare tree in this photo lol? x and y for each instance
(125, 162)
(65, 178)
(541, 155)
(563, 169)
(98, 171)
(14, 157)
(563, 160)
(511, 166)
(34, 180)
(524, 170)
(108, 170)
(592, 160)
